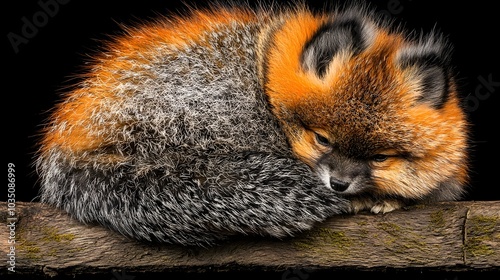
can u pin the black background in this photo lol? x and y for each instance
(36, 75)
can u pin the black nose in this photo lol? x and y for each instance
(338, 185)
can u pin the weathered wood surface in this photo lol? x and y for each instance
(454, 236)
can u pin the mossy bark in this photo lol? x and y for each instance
(452, 236)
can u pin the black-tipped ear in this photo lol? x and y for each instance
(429, 62)
(342, 33)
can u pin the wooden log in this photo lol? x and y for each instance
(451, 236)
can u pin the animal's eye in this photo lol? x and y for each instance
(379, 157)
(322, 140)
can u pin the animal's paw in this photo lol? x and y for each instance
(385, 206)
(375, 206)
(360, 204)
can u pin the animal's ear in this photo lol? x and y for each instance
(348, 32)
(427, 65)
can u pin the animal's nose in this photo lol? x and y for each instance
(338, 185)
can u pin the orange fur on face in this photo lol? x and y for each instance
(308, 149)
(366, 103)
(321, 102)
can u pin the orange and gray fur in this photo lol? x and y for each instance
(228, 121)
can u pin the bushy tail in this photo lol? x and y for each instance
(192, 203)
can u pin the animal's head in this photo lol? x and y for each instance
(369, 109)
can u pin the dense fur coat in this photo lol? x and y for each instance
(234, 121)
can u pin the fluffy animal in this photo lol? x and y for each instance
(239, 121)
